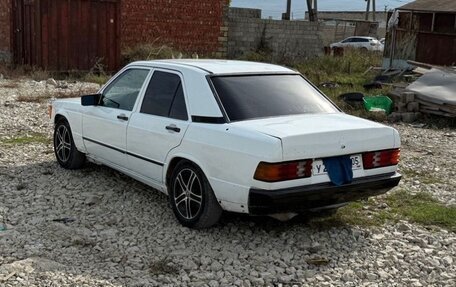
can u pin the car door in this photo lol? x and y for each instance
(105, 125)
(158, 126)
(346, 42)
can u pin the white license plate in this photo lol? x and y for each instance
(319, 168)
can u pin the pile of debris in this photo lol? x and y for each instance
(434, 92)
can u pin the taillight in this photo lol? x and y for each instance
(272, 172)
(381, 158)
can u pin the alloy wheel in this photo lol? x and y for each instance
(188, 194)
(63, 143)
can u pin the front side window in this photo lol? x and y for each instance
(123, 92)
(260, 96)
(165, 97)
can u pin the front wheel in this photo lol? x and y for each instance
(191, 197)
(64, 148)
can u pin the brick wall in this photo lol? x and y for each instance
(193, 26)
(5, 30)
(285, 40)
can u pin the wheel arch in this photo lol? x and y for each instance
(173, 163)
(75, 126)
(59, 117)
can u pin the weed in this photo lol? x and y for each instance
(100, 78)
(354, 213)
(422, 208)
(425, 177)
(26, 139)
(39, 74)
(152, 51)
(10, 85)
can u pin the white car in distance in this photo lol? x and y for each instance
(227, 135)
(364, 43)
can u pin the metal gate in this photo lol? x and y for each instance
(65, 35)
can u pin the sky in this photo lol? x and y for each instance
(275, 8)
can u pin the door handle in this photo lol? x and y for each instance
(173, 128)
(122, 117)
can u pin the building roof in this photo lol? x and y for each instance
(431, 6)
(222, 66)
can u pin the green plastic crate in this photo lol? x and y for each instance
(378, 103)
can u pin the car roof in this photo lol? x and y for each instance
(362, 37)
(218, 66)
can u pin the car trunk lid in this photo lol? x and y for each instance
(323, 135)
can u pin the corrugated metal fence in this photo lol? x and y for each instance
(65, 35)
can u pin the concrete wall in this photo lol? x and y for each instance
(284, 40)
(5, 30)
(193, 26)
(380, 16)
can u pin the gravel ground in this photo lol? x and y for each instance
(96, 227)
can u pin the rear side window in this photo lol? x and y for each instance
(165, 97)
(260, 96)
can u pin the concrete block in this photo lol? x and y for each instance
(395, 117)
(400, 107)
(413, 107)
(409, 117)
(407, 97)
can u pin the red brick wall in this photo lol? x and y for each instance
(5, 29)
(193, 26)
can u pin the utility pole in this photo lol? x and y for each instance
(367, 9)
(373, 10)
(312, 10)
(287, 15)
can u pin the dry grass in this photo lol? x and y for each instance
(152, 51)
(58, 94)
(10, 85)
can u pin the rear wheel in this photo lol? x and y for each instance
(64, 148)
(191, 197)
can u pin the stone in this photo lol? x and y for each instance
(51, 82)
(216, 266)
(371, 276)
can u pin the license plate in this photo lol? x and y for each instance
(320, 169)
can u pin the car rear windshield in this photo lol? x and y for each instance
(260, 96)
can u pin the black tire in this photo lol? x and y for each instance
(192, 198)
(66, 153)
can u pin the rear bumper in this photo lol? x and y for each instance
(303, 198)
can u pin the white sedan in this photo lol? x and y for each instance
(363, 43)
(227, 135)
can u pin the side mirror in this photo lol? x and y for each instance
(91, 100)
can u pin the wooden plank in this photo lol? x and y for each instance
(18, 31)
(32, 35)
(102, 32)
(63, 35)
(44, 15)
(439, 113)
(38, 29)
(26, 34)
(84, 22)
(73, 35)
(112, 40)
(53, 41)
(93, 28)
